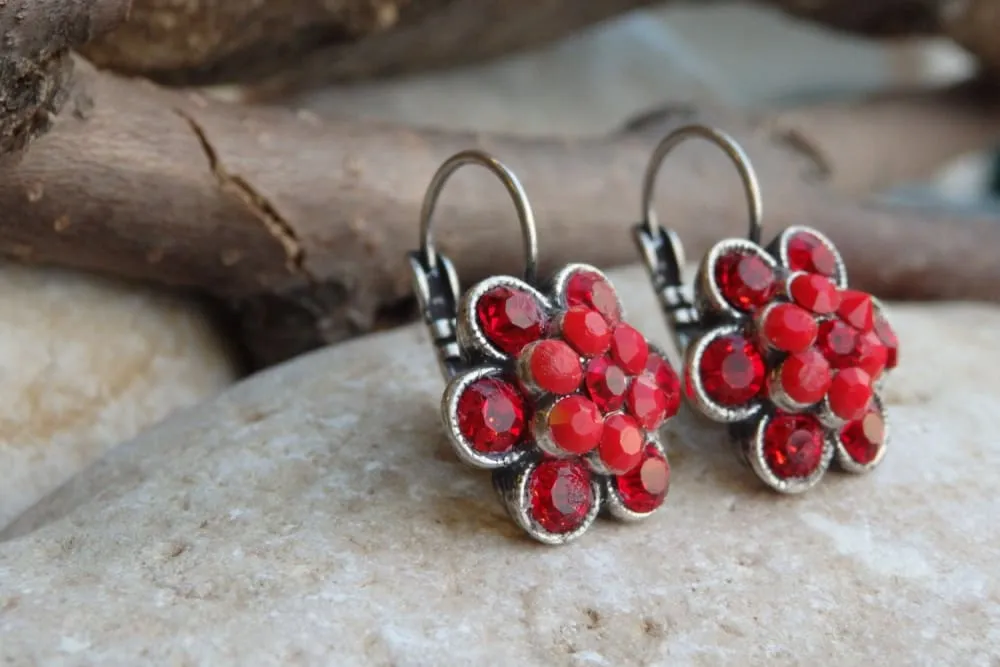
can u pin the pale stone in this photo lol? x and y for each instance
(85, 364)
(314, 514)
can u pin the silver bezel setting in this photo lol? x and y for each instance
(449, 411)
(840, 279)
(755, 455)
(848, 464)
(708, 296)
(701, 399)
(616, 507)
(470, 335)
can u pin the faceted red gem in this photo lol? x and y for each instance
(560, 495)
(838, 343)
(863, 438)
(666, 379)
(856, 309)
(646, 402)
(553, 366)
(586, 330)
(889, 339)
(745, 281)
(607, 384)
(629, 348)
(731, 370)
(807, 253)
(789, 328)
(805, 376)
(491, 415)
(575, 424)
(621, 443)
(644, 488)
(793, 445)
(871, 355)
(511, 319)
(815, 292)
(850, 393)
(586, 288)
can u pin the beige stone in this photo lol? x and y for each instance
(86, 363)
(314, 514)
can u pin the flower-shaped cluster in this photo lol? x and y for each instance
(791, 357)
(562, 401)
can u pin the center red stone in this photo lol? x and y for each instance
(789, 328)
(745, 281)
(815, 293)
(805, 377)
(646, 402)
(793, 445)
(560, 495)
(621, 444)
(553, 366)
(510, 319)
(575, 424)
(731, 370)
(607, 384)
(850, 393)
(629, 348)
(586, 330)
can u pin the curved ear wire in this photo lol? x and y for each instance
(435, 281)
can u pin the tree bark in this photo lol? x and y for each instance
(35, 68)
(303, 223)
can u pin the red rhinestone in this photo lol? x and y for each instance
(815, 292)
(789, 328)
(666, 379)
(511, 319)
(644, 488)
(553, 366)
(838, 343)
(560, 495)
(856, 309)
(805, 376)
(621, 444)
(491, 415)
(575, 424)
(606, 384)
(793, 445)
(863, 438)
(850, 393)
(586, 288)
(731, 370)
(586, 330)
(807, 253)
(871, 355)
(646, 402)
(745, 281)
(629, 348)
(889, 339)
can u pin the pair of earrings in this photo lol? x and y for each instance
(551, 390)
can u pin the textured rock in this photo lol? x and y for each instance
(314, 514)
(85, 364)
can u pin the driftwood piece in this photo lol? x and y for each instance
(303, 223)
(975, 24)
(35, 67)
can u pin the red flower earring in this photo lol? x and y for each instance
(776, 344)
(549, 388)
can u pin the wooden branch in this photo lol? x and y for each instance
(975, 25)
(303, 223)
(35, 36)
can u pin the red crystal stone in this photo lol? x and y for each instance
(807, 253)
(793, 445)
(856, 309)
(553, 366)
(644, 488)
(805, 376)
(863, 438)
(511, 319)
(621, 444)
(745, 281)
(889, 339)
(871, 355)
(560, 495)
(586, 330)
(575, 424)
(731, 370)
(850, 393)
(666, 379)
(789, 328)
(629, 348)
(607, 384)
(586, 288)
(491, 415)
(838, 343)
(646, 402)
(815, 292)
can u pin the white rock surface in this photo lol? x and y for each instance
(314, 515)
(86, 363)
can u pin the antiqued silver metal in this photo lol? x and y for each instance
(614, 503)
(697, 393)
(663, 257)
(449, 412)
(781, 249)
(707, 295)
(848, 464)
(470, 333)
(437, 297)
(755, 456)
